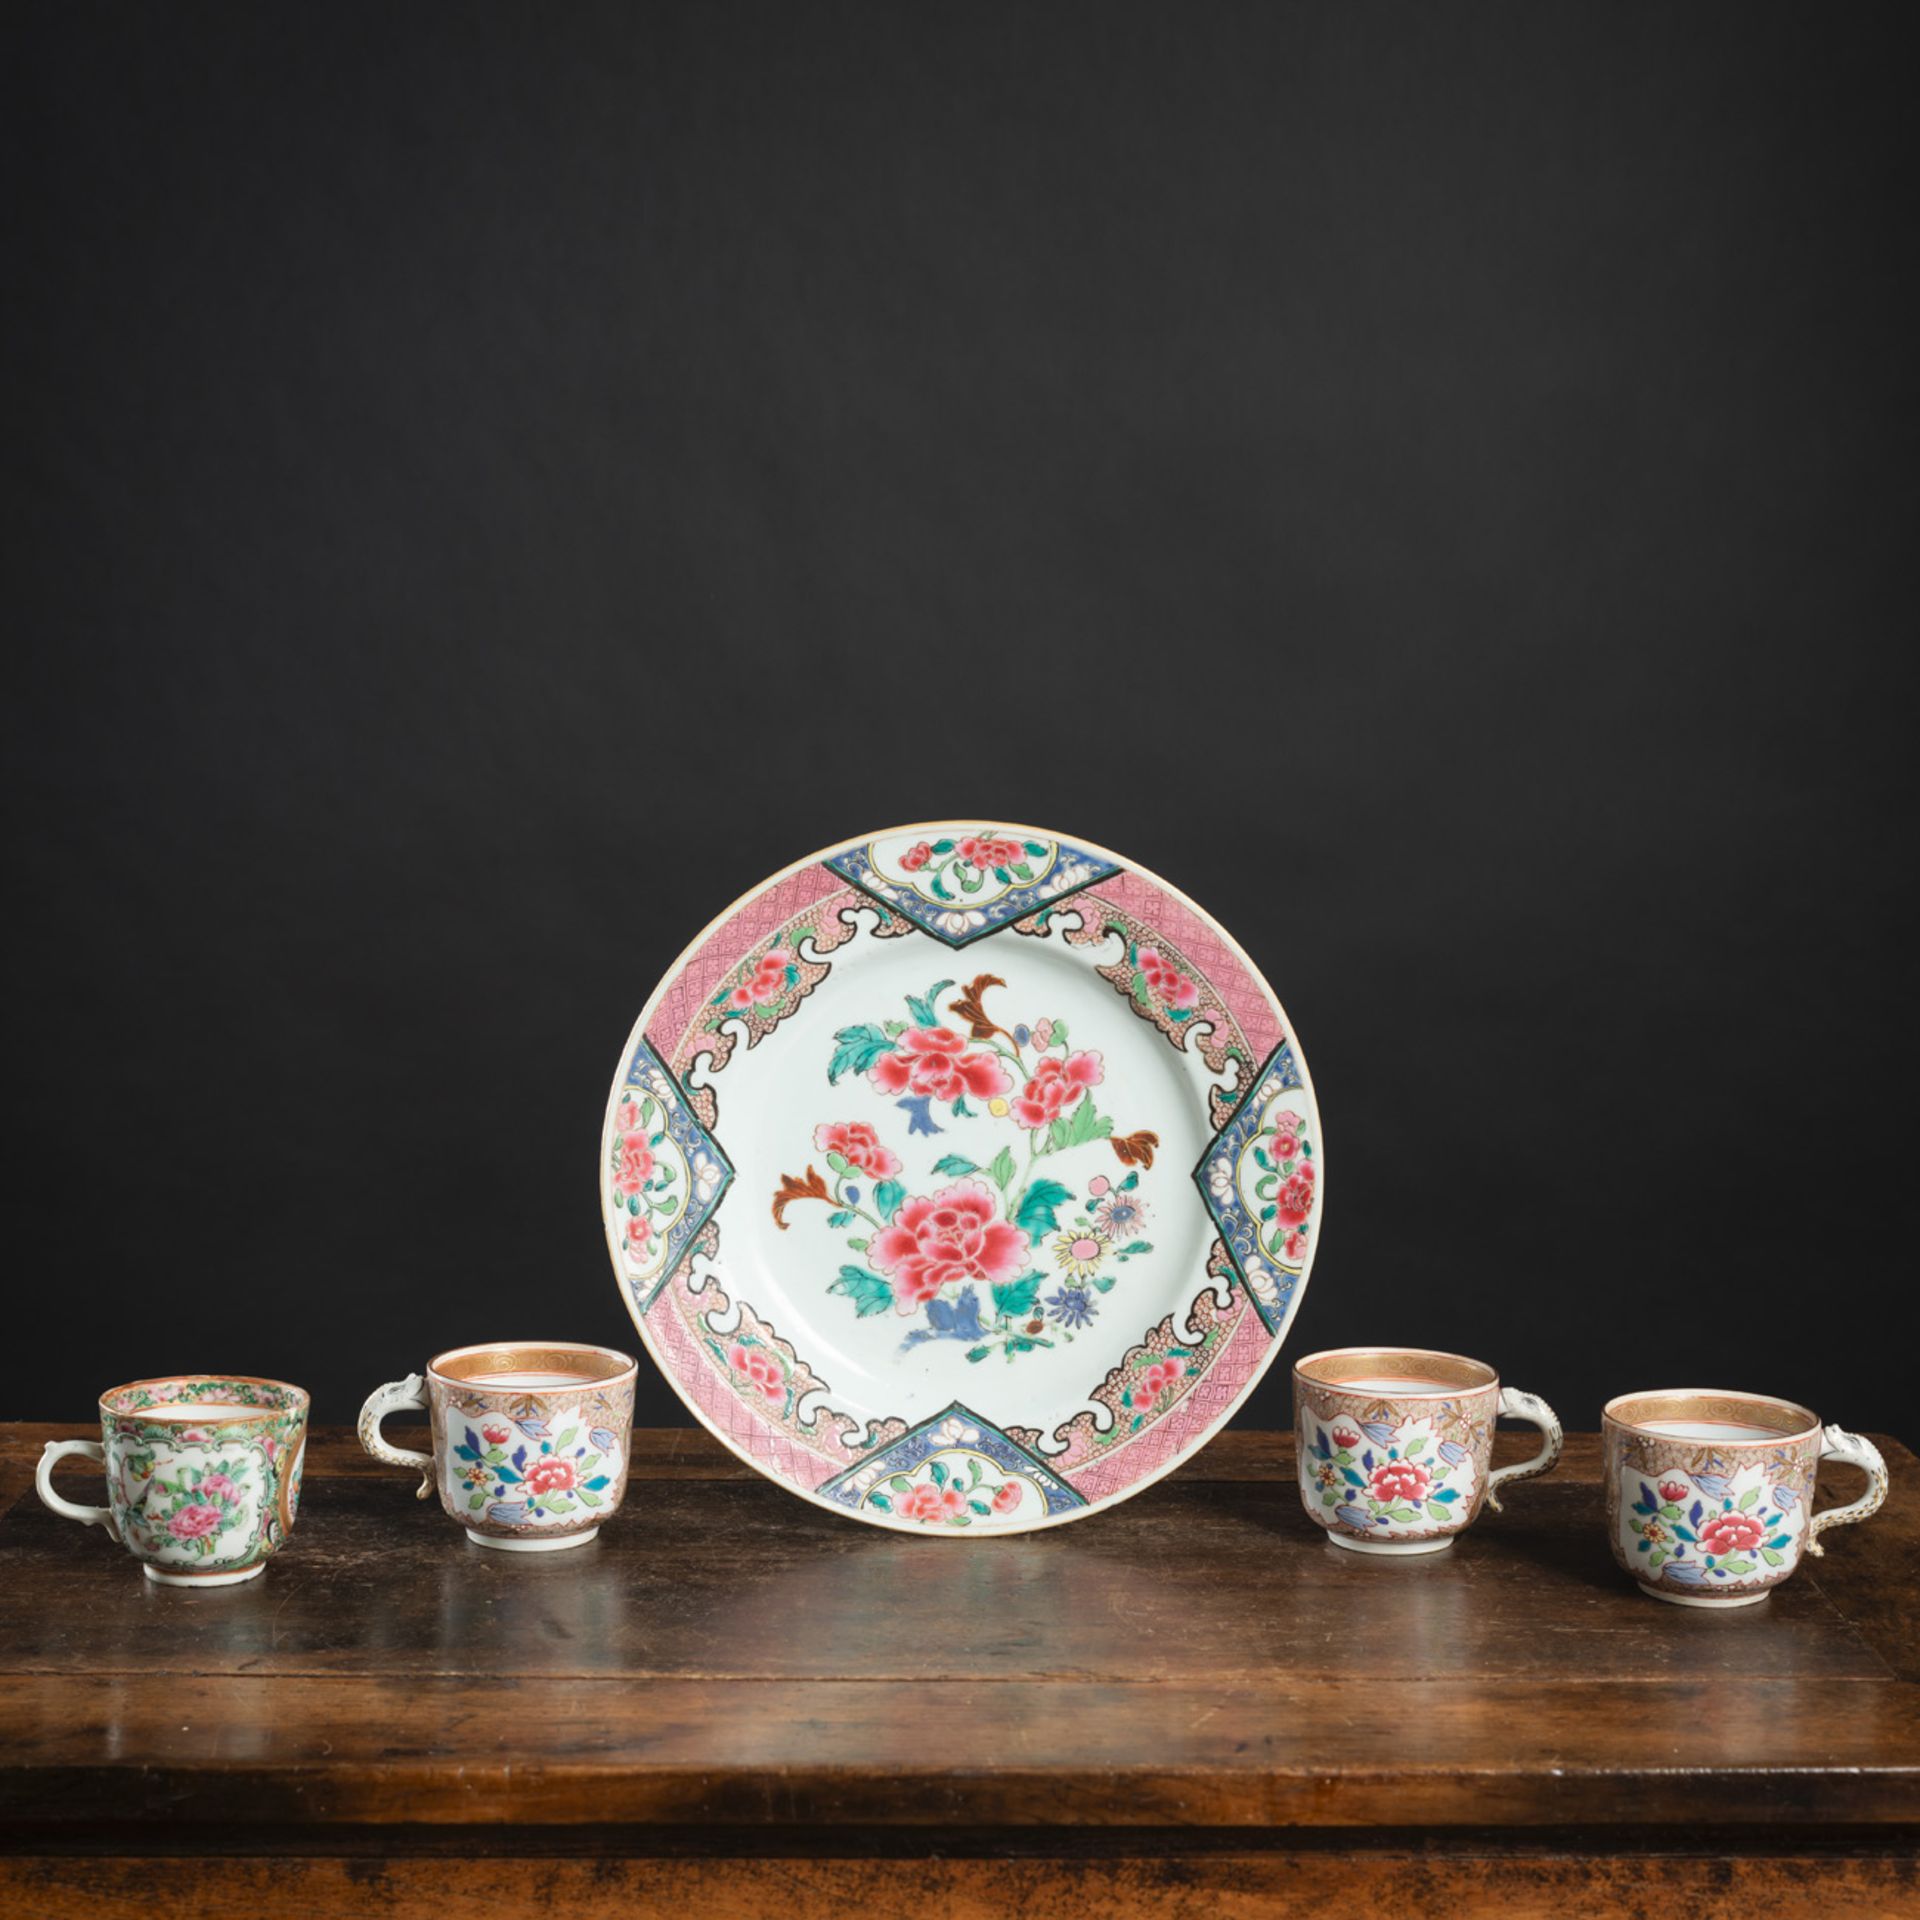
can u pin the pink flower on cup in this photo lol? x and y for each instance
(1006, 1496)
(1056, 1085)
(194, 1522)
(1731, 1533)
(1400, 1480)
(856, 1142)
(219, 1487)
(1345, 1437)
(759, 1368)
(639, 1232)
(1166, 981)
(939, 1064)
(1294, 1201)
(1098, 1185)
(551, 1475)
(1285, 1144)
(943, 1238)
(987, 854)
(494, 1436)
(635, 1166)
(1675, 1490)
(1294, 1246)
(916, 857)
(930, 1504)
(768, 981)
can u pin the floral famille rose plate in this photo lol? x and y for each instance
(962, 1178)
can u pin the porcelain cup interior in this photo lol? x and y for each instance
(531, 1437)
(1395, 1443)
(203, 1471)
(1709, 1491)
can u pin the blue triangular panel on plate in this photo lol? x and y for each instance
(957, 1428)
(961, 889)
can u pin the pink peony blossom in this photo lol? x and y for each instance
(194, 1522)
(549, 1475)
(988, 854)
(1056, 1085)
(916, 857)
(639, 1232)
(938, 1063)
(1731, 1533)
(1166, 980)
(760, 1369)
(1294, 1201)
(1006, 1496)
(855, 1141)
(635, 1166)
(1400, 1480)
(220, 1487)
(930, 1504)
(949, 1237)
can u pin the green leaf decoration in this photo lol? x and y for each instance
(938, 1470)
(1670, 1511)
(1435, 1510)
(1748, 1498)
(1040, 1206)
(881, 1501)
(1736, 1566)
(839, 1163)
(1003, 876)
(900, 1483)
(955, 1163)
(1328, 1499)
(1037, 848)
(860, 1245)
(1001, 1172)
(923, 1009)
(1772, 1556)
(888, 1198)
(566, 1439)
(869, 1292)
(939, 888)
(841, 1219)
(977, 1354)
(1023, 873)
(856, 1049)
(1018, 1296)
(477, 1500)
(973, 1469)
(1654, 1558)
(1138, 986)
(590, 1497)
(943, 846)
(1416, 1446)
(1059, 1034)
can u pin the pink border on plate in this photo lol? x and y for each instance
(1249, 1349)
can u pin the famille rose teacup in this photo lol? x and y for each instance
(203, 1474)
(1396, 1444)
(530, 1438)
(1710, 1493)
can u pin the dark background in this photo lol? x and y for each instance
(486, 485)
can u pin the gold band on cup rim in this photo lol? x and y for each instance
(1387, 1363)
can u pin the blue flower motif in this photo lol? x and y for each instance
(1072, 1307)
(918, 1108)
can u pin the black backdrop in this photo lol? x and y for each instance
(487, 484)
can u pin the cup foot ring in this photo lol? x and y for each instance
(1713, 1601)
(533, 1542)
(160, 1579)
(1397, 1549)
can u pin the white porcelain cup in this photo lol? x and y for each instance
(1710, 1491)
(1396, 1445)
(530, 1438)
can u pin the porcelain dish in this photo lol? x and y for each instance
(962, 1178)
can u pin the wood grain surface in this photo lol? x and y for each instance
(728, 1662)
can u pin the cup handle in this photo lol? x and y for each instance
(397, 1396)
(56, 1450)
(1838, 1444)
(1516, 1405)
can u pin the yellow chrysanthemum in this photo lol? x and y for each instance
(1079, 1254)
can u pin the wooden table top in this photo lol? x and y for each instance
(729, 1660)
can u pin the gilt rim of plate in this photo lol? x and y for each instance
(1253, 984)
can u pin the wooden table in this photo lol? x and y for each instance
(733, 1704)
